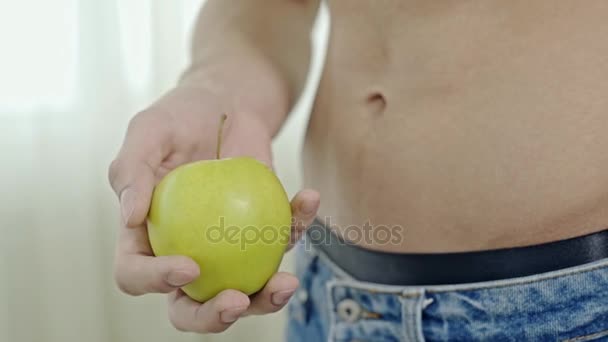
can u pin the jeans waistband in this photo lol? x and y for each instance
(416, 269)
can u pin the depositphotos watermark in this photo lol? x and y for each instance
(247, 235)
(317, 233)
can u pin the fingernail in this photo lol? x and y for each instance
(178, 278)
(231, 315)
(308, 207)
(281, 297)
(127, 204)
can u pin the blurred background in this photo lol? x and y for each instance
(72, 73)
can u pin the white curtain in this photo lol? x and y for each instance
(72, 72)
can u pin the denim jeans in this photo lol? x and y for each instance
(566, 305)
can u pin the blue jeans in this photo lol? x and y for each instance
(566, 305)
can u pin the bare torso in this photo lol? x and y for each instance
(471, 124)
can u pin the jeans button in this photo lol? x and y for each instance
(349, 310)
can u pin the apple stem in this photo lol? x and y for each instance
(219, 135)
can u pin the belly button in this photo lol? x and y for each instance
(377, 103)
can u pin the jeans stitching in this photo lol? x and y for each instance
(588, 337)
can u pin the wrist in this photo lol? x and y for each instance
(253, 88)
(247, 135)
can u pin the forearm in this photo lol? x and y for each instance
(256, 49)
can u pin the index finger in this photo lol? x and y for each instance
(137, 271)
(132, 174)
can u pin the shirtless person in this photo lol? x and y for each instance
(476, 127)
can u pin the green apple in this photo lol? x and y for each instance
(232, 216)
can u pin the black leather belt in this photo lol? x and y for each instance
(456, 268)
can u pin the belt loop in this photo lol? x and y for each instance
(412, 304)
(329, 286)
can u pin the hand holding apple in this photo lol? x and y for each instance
(232, 216)
(180, 129)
